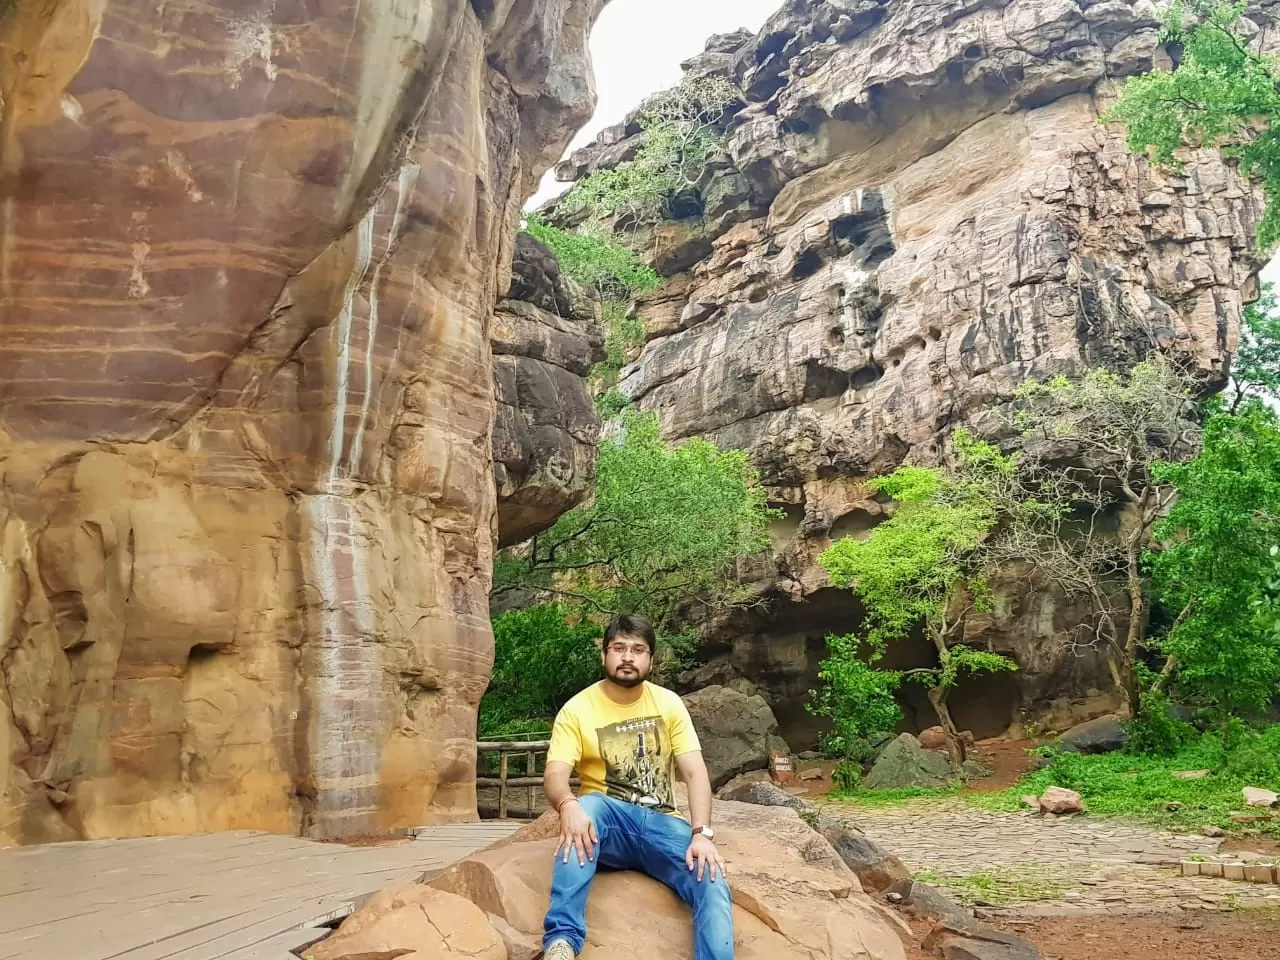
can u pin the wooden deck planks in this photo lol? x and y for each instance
(230, 896)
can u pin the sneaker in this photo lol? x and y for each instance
(558, 950)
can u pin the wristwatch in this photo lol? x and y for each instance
(704, 831)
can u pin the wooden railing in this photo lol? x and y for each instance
(528, 779)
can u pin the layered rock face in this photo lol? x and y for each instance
(916, 211)
(249, 252)
(546, 338)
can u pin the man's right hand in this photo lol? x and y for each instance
(577, 833)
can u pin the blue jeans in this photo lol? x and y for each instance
(635, 838)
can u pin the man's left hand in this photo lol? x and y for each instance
(704, 853)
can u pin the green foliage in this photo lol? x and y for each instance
(682, 127)
(962, 660)
(1144, 788)
(1216, 562)
(1120, 424)
(1156, 732)
(1005, 886)
(1255, 371)
(847, 775)
(624, 332)
(543, 655)
(858, 699)
(1222, 94)
(924, 566)
(593, 259)
(611, 403)
(1117, 429)
(665, 525)
(908, 569)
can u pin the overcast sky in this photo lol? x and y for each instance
(637, 47)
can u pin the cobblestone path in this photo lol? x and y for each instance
(1047, 866)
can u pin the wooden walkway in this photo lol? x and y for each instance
(242, 895)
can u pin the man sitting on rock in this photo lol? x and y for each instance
(625, 735)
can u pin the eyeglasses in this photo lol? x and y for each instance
(635, 649)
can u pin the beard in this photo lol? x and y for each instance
(631, 678)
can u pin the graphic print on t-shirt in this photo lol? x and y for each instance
(637, 760)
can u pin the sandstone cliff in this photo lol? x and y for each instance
(546, 338)
(916, 210)
(249, 251)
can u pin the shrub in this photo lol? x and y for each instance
(856, 698)
(543, 655)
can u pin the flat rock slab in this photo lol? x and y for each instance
(241, 895)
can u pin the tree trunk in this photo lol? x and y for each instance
(1137, 613)
(955, 746)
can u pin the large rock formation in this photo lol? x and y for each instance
(793, 896)
(916, 210)
(546, 339)
(249, 252)
(738, 732)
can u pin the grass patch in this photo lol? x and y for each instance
(1000, 886)
(1144, 787)
(893, 798)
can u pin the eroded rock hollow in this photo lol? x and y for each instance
(249, 252)
(916, 210)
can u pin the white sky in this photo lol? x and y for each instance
(637, 47)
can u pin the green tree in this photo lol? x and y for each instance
(1222, 93)
(1216, 564)
(1114, 430)
(666, 525)
(924, 568)
(681, 127)
(1255, 371)
(543, 655)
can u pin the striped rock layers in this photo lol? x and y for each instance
(249, 252)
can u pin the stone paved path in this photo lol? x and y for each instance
(1051, 866)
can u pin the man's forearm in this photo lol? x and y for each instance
(555, 784)
(700, 798)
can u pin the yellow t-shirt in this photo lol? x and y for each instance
(626, 752)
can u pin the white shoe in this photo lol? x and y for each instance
(558, 950)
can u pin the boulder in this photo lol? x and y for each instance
(413, 922)
(924, 902)
(737, 731)
(934, 738)
(1061, 801)
(904, 763)
(1103, 735)
(969, 940)
(793, 896)
(764, 794)
(1257, 797)
(876, 868)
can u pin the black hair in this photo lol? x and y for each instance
(628, 626)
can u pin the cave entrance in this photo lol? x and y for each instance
(780, 653)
